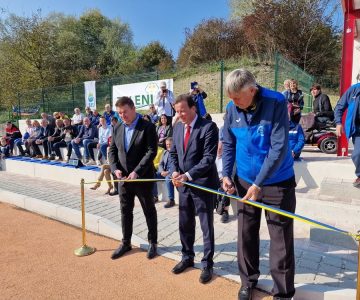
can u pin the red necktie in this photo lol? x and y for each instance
(187, 136)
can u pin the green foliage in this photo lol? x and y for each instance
(154, 56)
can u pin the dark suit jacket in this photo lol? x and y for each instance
(45, 133)
(199, 158)
(141, 153)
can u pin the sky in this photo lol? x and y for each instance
(150, 20)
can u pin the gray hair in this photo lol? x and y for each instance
(238, 80)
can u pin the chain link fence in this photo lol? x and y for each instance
(285, 69)
(210, 78)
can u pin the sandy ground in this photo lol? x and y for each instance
(37, 262)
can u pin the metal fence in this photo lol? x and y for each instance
(210, 77)
(285, 69)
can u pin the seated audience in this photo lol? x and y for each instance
(108, 114)
(12, 133)
(88, 134)
(49, 118)
(55, 138)
(105, 132)
(20, 141)
(68, 133)
(63, 115)
(163, 131)
(4, 148)
(42, 139)
(78, 117)
(56, 115)
(95, 120)
(28, 143)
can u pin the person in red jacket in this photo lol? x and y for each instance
(12, 133)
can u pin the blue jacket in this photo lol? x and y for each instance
(296, 137)
(350, 101)
(258, 140)
(108, 116)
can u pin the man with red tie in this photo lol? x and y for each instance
(192, 159)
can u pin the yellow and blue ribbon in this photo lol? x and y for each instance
(253, 203)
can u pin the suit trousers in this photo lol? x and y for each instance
(282, 261)
(355, 156)
(203, 203)
(127, 193)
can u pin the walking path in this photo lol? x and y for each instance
(320, 268)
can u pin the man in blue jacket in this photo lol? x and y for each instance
(351, 101)
(256, 131)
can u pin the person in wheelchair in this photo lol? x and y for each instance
(324, 114)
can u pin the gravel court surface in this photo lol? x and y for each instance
(37, 262)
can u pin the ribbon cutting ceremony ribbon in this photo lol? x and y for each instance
(250, 202)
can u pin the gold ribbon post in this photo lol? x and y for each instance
(84, 250)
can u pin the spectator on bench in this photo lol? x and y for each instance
(50, 119)
(108, 114)
(78, 117)
(95, 118)
(42, 139)
(87, 134)
(20, 141)
(68, 133)
(12, 133)
(56, 137)
(105, 132)
(28, 143)
(63, 115)
(4, 148)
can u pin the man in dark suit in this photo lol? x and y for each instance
(192, 158)
(42, 139)
(131, 153)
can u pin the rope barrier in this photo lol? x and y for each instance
(86, 250)
(269, 208)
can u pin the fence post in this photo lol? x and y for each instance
(221, 85)
(19, 107)
(109, 82)
(43, 99)
(73, 96)
(276, 82)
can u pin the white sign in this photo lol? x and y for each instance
(90, 94)
(142, 93)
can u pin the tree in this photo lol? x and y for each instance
(212, 40)
(154, 56)
(299, 29)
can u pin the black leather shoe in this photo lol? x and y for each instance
(152, 251)
(114, 193)
(245, 293)
(121, 251)
(206, 274)
(169, 204)
(182, 266)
